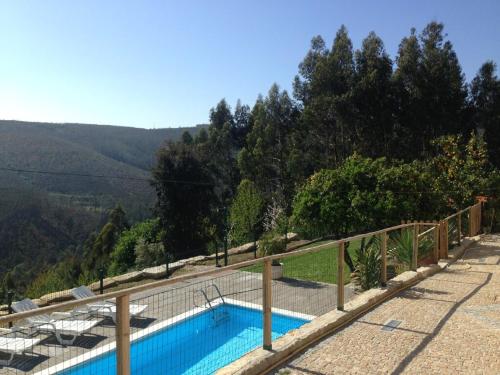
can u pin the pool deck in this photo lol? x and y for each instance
(180, 300)
(448, 324)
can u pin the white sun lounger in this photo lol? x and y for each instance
(45, 323)
(14, 345)
(104, 308)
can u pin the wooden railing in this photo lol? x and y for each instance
(440, 250)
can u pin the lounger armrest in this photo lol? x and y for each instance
(60, 315)
(40, 323)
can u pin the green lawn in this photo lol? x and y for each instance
(319, 266)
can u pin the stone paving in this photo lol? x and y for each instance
(450, 324)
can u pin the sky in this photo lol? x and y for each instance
(154, 64)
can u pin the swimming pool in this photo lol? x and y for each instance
(199, 344)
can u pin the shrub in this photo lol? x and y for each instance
(149, 254)
(271, 243)
(368, 264)
(123, 256)
(400, 248)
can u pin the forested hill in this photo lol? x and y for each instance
(133, 146)
(50, 212)
(69, 151)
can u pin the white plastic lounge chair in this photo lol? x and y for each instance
(14, 345)
(45, 323)
(104, 308)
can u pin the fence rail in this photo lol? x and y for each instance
(267, 296)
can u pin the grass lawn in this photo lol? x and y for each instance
(319, 266)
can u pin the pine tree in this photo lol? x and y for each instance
(373, 99)
(485, 95)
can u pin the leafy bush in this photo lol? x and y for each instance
(149, 254)
(368, 264)
(271, 243)
(246, 213)
(425, 245)
(124, 255)
(360, 195)
(400, 248)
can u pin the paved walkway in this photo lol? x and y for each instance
(450, 324)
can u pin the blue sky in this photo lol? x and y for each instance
(162, 63)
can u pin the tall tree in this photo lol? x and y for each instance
(485, 95)
(407, 79)
(326, 94)
(443, 87)
(246, 213)
(220, 151)
(186, 201)
(98, 254)
(241, 125)
(265, 159)
(373, 99)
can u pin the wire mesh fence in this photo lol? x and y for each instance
(198, 323)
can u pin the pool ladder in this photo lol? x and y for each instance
(217, 316)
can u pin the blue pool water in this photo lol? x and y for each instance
(198, 345)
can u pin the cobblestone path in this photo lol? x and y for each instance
(450, 324)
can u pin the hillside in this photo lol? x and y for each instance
(44, 215)
(84, 149)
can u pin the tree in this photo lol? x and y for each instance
(373, 99)
(360, 195)
(485, 96)
(98, 254)
(186, 200)
(246, 212)
(431, 91)
(265, 159)
(220, 151)
(187, 138)
(459, 171)
(407, 79)
(327, 116)
(124, 255)
(443, 88)
(241, 125)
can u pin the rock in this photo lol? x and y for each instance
(129, 277)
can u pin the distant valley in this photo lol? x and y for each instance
(46, 214)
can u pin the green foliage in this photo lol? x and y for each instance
(266, 158)
(246, 213)
(62, 276)
(485, 94)
(400, 249)
(271, 243)
(124, 254)
(361, 194)
(425, 245)
(186, 199)
(368, 264)
(98, 254)
(149, 254)
(459, 171)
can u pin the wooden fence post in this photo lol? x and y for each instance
(471, 224)
(436, 243)
(267, 304)
(340, 276)
(459, 228)
(123, 335)
(446, 238)
(383, 255)
(479, 217)
(414, 258)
